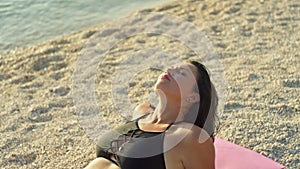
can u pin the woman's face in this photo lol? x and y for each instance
(178, 81)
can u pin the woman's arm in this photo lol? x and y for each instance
(199, 154)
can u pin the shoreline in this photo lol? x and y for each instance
(258, 47)
(36, 25)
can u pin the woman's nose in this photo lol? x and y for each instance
(170, 69)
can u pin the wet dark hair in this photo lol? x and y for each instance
(204, 113)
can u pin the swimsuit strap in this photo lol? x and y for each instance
(176, 122)
(169, 126)
(137, 119)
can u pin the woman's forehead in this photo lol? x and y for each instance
(189, 67)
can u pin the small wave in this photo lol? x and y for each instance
(5, 4)
(5, 8)
(24, 22)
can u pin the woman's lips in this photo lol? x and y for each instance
(165, 76)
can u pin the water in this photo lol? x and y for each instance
(24, 22)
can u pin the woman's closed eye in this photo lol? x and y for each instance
(182, 71)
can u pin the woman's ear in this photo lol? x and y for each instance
(193, 98)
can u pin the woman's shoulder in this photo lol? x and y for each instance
(191, 144)
(189, 133)
(142, 109)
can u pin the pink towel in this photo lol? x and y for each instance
(232, 156)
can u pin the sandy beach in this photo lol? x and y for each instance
(257, 43)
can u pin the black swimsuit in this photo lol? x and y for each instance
(132, 148)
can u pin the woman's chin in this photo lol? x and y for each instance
(159, 86)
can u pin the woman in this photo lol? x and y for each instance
(177, 134)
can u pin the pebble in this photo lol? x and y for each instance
(61, 91)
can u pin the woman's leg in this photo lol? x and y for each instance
(102, 163)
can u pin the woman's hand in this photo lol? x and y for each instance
(101, 163)
(142, 109)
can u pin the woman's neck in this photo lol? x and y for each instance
(166, 112)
